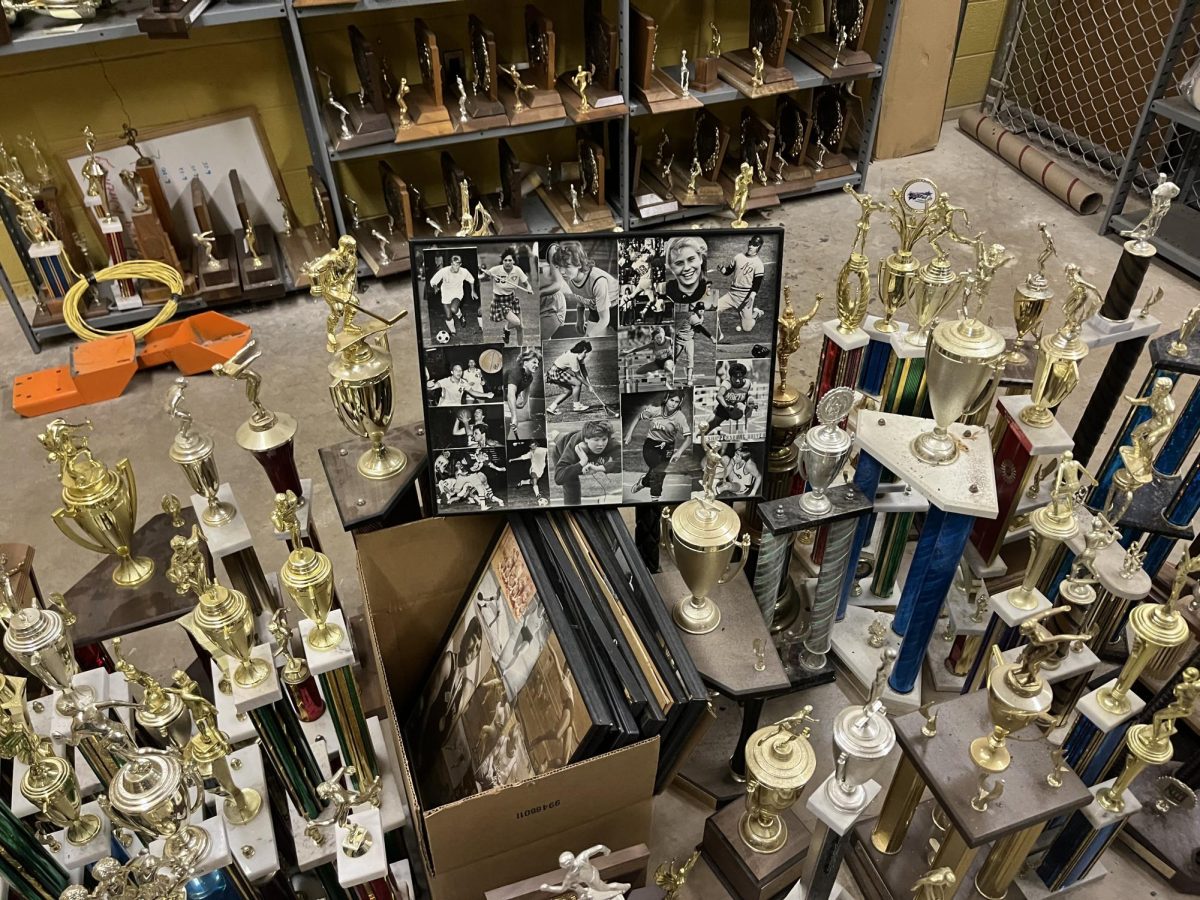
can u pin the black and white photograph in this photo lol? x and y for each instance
(452, 313)
(458, 376)
(738, 405)
(660, 458)
(552, 337)
(585, 461)
(508, 297)
(581, 378)
(741, 476)
(647, 358)
(579, 282)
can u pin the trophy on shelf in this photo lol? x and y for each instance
(779, 763)
(96, 199)
(835, 51)
(422, 112)
(466, 210)
(155, 795)
(528, 93)
(44, 248)
(360, 118)
(1031, 300)
(793, 124)
(482, 102)
(257, 250)
(151, 237)
(756, 149)
(102, 502)
(591, 90)
(215, 258)
(193, 452)
(653, 179)
(761, 68)
(701, 536)
(1141, 234)
(695, 177)
(831, 104)
(656, 88)
(361, 371)
(300, 243)
(587, 209)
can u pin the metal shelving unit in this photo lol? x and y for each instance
(45, 34)
(1167, 140)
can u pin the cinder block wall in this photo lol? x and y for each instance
(976, 52)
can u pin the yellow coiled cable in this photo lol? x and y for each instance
(145, 269)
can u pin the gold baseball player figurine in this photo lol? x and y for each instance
(1179, 346)
(582, 80)
(790, 326)
(1084, 299)
(670, 878)
(401, 92)
(741, 195)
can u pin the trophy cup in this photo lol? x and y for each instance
(101, 501)
(193, 452)
(1052, 524)
(960, 367)
(1017, 694)
(155, 795)
(824, 449)
(268, 435)
(307, 575)
(39, 640)
(862, 739)
(914, 211)
(779, 763)
(1057, 371)
(701, 536)
(940, 287)
(1031, 299)
(223, 614)
(161, 714)
(361, 372)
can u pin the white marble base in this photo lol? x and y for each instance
(800, 892)
(1099, 817)
(322, 729)
(225, 539)
(902, 348)
(1025, 503)
(868, 599)
(850, 644)
(883, 336)
(237, 726)
(353, 871)
(962, 613)
(838, 821)
(1049, 440)
(402, 875)
(322, 661)
(72, 857)
(936, 655)
(1102, 718)
(309, 853)
(1011, 615)
(1076, 663)
(392, 807)
(257, 834)
(901, 500)
(247, 699)
(303, 512)
(1107, 563)
(966, 486)
(982, 569)
(1030, 887)
(899, 704)
(852, 341)
(219, 854)
(1101, 332)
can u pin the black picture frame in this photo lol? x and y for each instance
(531, 335)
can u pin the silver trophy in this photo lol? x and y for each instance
(824, 450)
(862, 739)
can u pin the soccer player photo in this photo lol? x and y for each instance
(507, 294)
(451, 298)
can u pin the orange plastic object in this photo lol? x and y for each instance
(194, 344)
(101, 370)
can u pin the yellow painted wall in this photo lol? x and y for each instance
(976, 51)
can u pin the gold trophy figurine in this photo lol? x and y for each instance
(1179, 347)
(790, 326)
(96, 177)
(917, 208)
(1150, 744)
(161, 714)
(1137, 459)
(102, 502)
(307, 575)
(701, 536)
(779, 762)
(936, 884)
(193, 452)
(714, 40)
(741, 195)
(361, 371)
(1031, 299)
(582, 80)
(1052, 525)
(670, 875)
(340, 800)
(694, 173)
(1057, 371)
(854, 280)
(401, 92)
(223, 614)
(756, 80)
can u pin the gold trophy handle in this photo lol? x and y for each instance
(987, 393)
(72, 534)
(126, 471)
(664, 533)
(738, 564)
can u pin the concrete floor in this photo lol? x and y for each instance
(291, 334)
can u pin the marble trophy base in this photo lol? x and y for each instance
(852, 647)
(258, 834)
(1167, 842)
(750, 875)
(1101, 332)
(1089, 705)
(981, 567)
(372, 864)
(219, 853)
(237, 726)
(1108, 561)
(937, 655)
(246, 699)
(967, 634)
(72, 857)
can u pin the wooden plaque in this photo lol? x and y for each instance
(430, 59)
(540, 48)
(792, 123)
(591, 167)
(510, 179)
(369, 66)
(396, 199)
(771, 25)
(483, 57)
(600, 46)
(326, 220)
(644, 40)
(709, 141)
(757, 137)
(452, 178)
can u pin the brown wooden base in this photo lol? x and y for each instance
(368, 248)
(265, 281)
(593, 216)
(505, 220)
(761, 196)
(379, 132)
(796, 180)
(174, 24)
(751, 875)
(304, 244)
(218, 284)
(837, 165)
(474, 125)
(536, 106)
(364, 504)
(743, 60)
(664, 94)
(54, 315)
(604, 104)
(821, 53)
(743, 81)
(707, 74)
(428, 119)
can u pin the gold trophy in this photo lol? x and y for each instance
(1057, 371)
(101, 501)
(1155, 627)
(915, 210)
(209, 750)
(1052, 525)
(361, 371)
(307, 575)
(193, 452)
(223, 614)
(49, 782)
(155, 795)
(960, 367)
(741, 195)
(1017, 694)
(854, 280)
(940, 287)
(701, 536)
(1137, 460)
(161, 714)
(1031, 299)
(1150, 744)
(779, 763)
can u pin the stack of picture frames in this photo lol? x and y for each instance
(584, 371)
(562, 649)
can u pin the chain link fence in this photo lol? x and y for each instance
(1074, 75)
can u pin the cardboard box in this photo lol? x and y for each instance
(918, 76)
(413, 578)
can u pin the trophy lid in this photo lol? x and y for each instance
(190, 446)
(780, 759)
(864, 732)
(1036, 287)
(1064, 344)
(145, 783)
(938, 271)
(46, 777)
(969, 339)
(259, 434)
(32, 629)
(705, 523)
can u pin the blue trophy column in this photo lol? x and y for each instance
(939, 549)
(866, 479)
